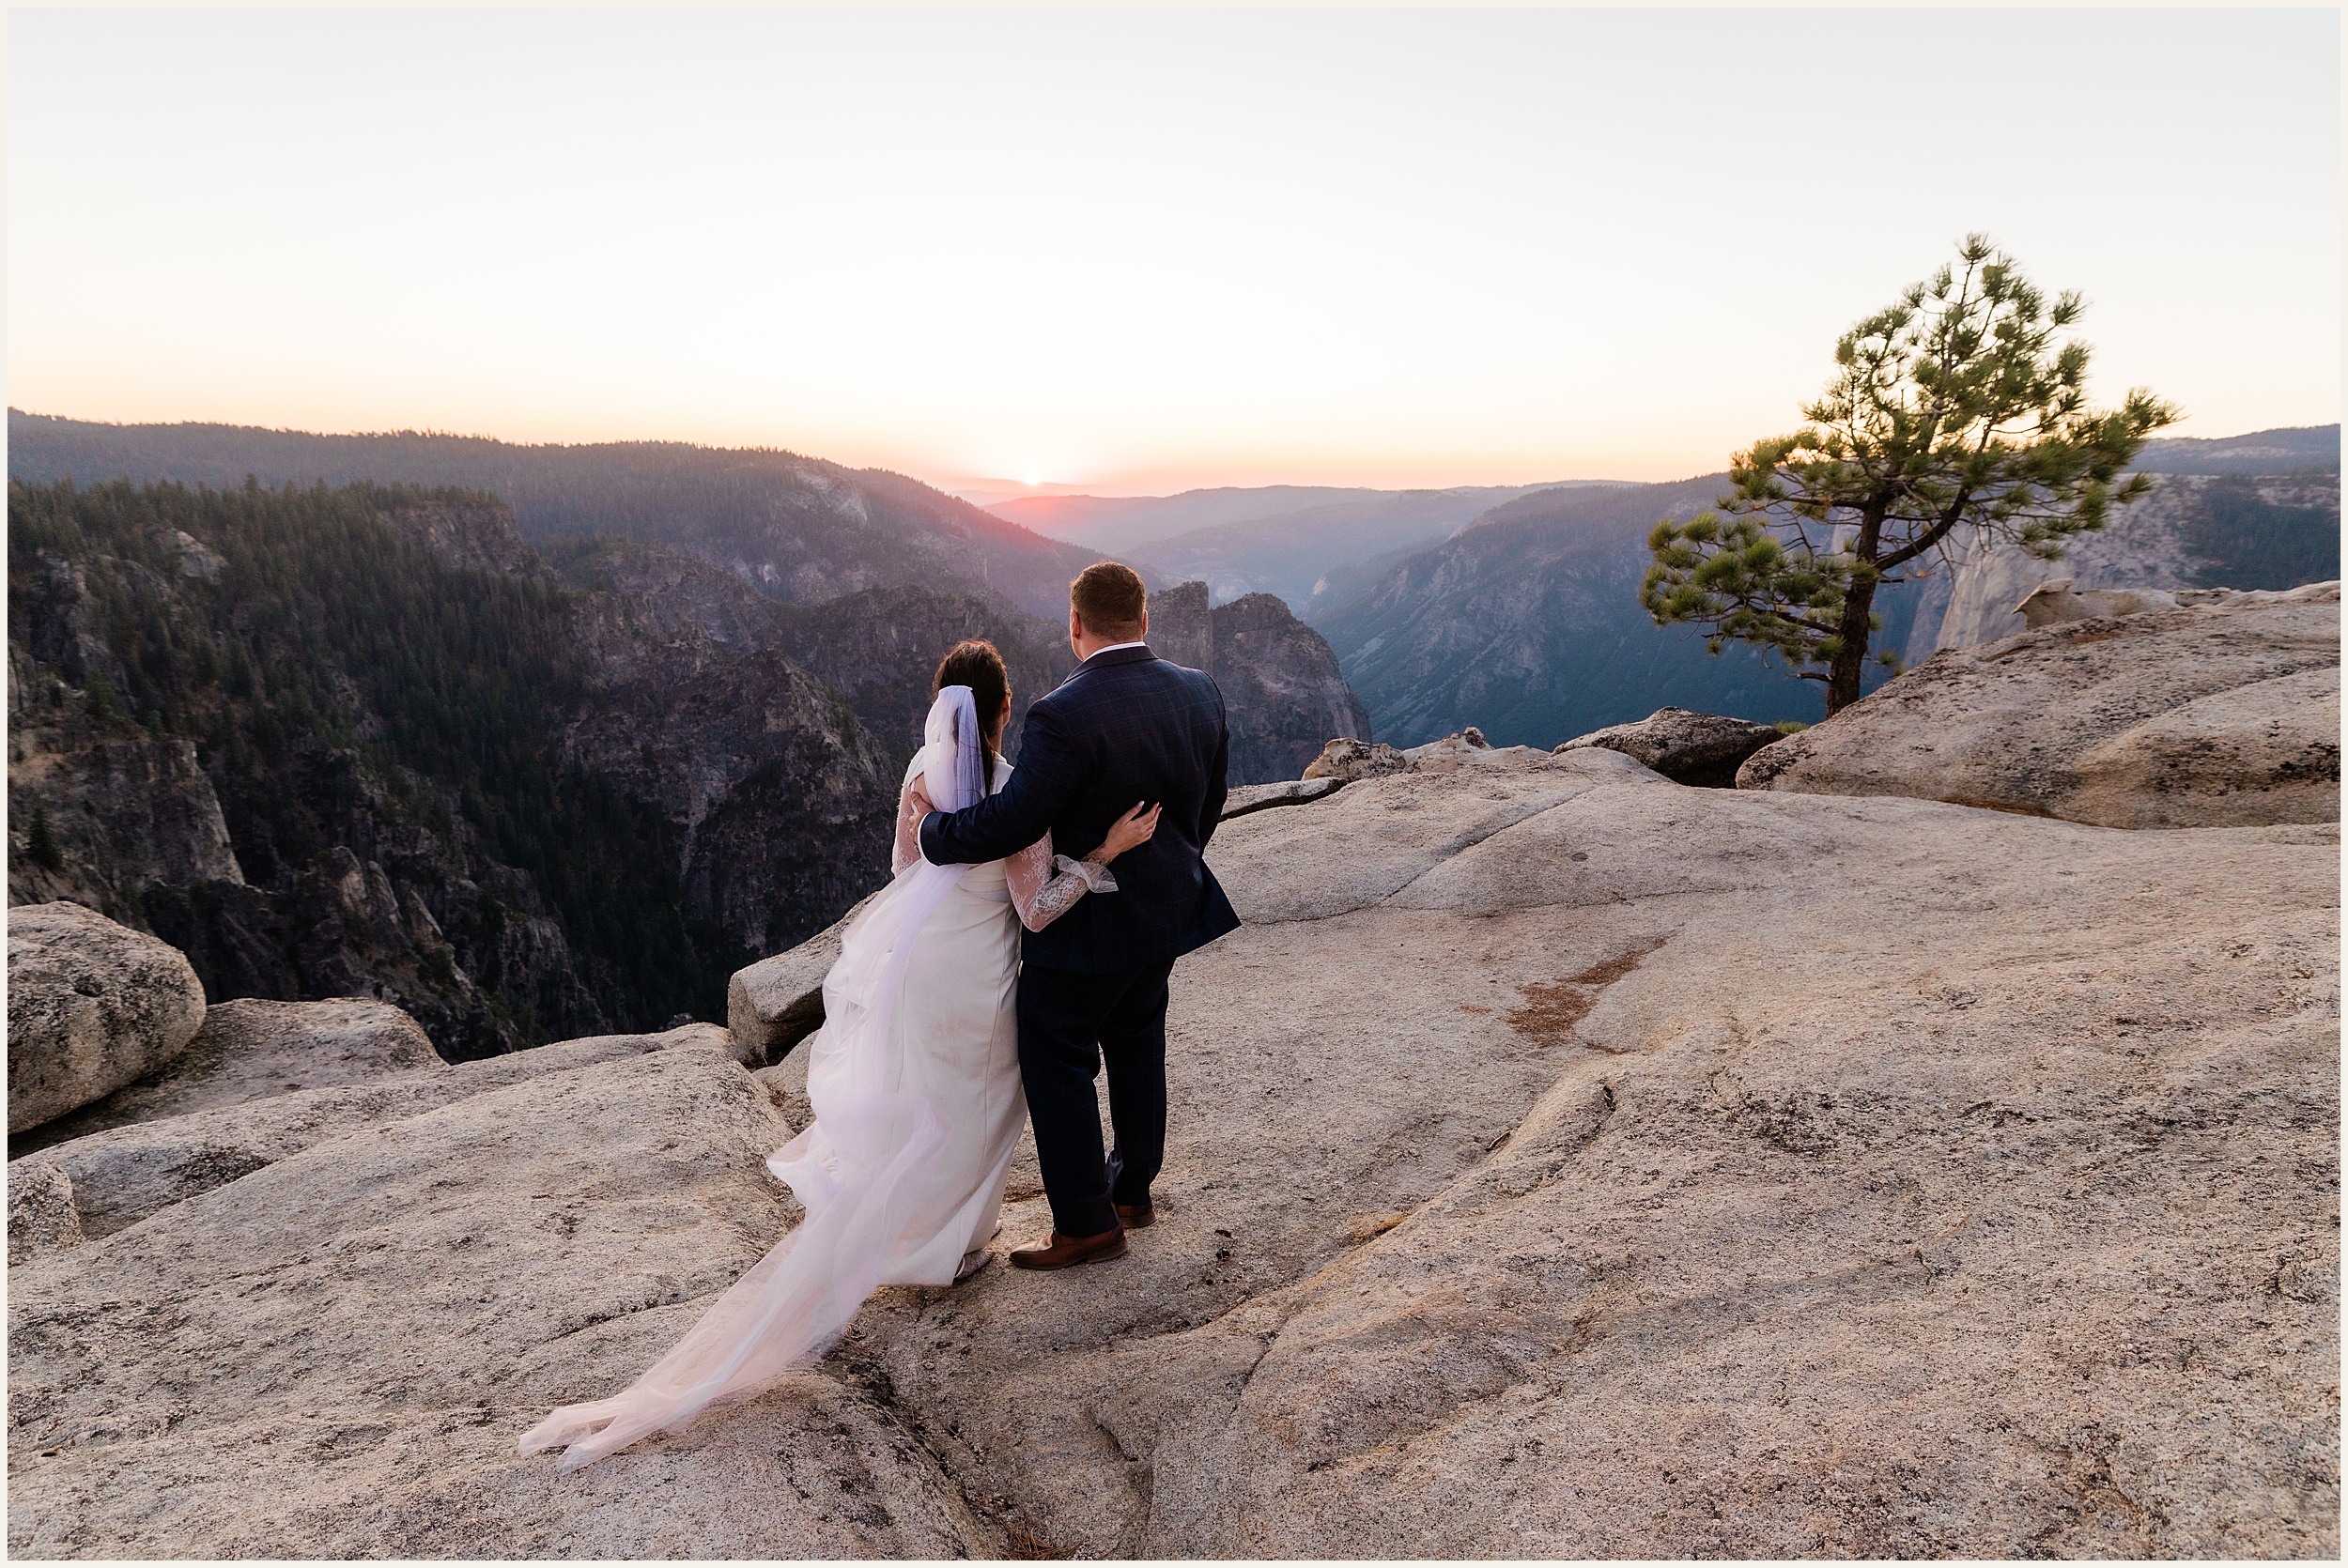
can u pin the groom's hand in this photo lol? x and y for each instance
(919, 795)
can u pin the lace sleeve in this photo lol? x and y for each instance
(908, 848)
(1045, 887)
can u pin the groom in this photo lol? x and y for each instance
(1127, 727)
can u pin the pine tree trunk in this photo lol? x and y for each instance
(1842, 678)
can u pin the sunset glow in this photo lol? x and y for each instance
(1142, 251)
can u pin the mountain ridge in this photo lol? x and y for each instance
(798, 529)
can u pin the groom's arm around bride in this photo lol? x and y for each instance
(1127, 727)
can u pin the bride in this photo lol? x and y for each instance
(915, 1081)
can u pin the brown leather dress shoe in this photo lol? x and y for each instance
(1137, 1216)
(1066, 1251)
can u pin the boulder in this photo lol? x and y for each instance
(1348, 760)
(778, 1001)
(92, 1006)
(251, 1050)
(1560, 1162)
(2217, 715)
(1685, 746)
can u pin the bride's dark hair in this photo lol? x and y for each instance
(977, 664)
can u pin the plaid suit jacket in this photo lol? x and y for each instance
(1127, 727)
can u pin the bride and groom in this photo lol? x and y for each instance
(944, 1028)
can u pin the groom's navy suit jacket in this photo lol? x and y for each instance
(1127, 727)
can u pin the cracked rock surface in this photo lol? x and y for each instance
(1562, 1162)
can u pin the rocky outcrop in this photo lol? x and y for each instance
(254, 1050)
(92, 1006)
(2060, 599)
(1284, 696)
(1347, 760)
(2194, 532)
(799, 528)
(2216, 715)
(1563, 1162)
(1686, 747)
(1342, 761)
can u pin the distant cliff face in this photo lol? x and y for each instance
(1284, 696)
(798, 529)
(877, 649)
(1283, 690)
(881, 648)
(777, 801)
(363, 742)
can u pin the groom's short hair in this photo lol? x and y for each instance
(1110, 598)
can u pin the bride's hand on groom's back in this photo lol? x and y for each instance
(1134, 827)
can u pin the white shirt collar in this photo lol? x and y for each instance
(1113, 648)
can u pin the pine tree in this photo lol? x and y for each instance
(42, 842)
(1958, 411)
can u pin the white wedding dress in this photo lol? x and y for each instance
(915, 1081)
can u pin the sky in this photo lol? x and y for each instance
(1137, 251)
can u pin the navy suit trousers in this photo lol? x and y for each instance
(1069, 1024)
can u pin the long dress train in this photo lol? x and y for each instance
(915, 1081)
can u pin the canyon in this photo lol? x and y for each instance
(1563, 1161)
(376, 742)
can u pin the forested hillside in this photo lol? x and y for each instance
(361, 741)
(798, 529)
